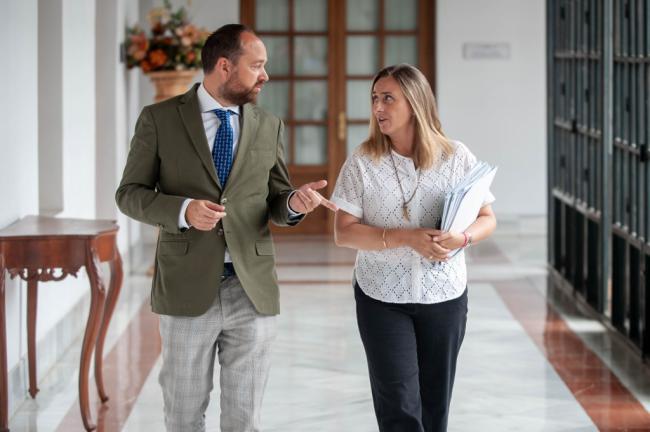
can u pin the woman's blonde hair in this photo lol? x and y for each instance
(430, 141)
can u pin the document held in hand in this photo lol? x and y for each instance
(464, 202)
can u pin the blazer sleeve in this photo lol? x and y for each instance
(138, 195)
(280, 187)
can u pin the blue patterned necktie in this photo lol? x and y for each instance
(222, 148)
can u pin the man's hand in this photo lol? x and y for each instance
(203, 214)
(306, 199)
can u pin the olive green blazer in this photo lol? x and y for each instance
(170, 161)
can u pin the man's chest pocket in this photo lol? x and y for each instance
(261, 159)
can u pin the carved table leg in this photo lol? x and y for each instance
(4, 386)
(32, 298)
(111, 301)
(97, 298)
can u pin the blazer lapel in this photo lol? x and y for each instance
(248, 133)
(191, 116)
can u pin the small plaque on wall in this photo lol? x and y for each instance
(486, 51)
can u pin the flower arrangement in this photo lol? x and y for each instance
(175, 44)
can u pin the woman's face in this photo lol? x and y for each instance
(390, 108)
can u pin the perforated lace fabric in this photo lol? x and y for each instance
(369, 190)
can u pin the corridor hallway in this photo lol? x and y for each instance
(528, 362)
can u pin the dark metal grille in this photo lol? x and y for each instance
(599, 175)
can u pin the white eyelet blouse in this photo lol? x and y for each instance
(369, 191)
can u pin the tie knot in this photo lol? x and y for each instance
(224, 115)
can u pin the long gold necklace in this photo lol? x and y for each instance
(405, 202)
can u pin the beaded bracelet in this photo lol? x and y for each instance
(466, 239)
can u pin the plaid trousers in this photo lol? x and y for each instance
(241, 337)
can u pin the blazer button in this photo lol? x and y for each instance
(220, 232)
(224, 200)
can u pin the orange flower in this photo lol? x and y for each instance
(140, 40)
(173, 43)
(145, 66)
(137, 55)
(192, 33)
(188, 34)
(157, 58)
(138, 46)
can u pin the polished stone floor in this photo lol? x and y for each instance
(530, 361)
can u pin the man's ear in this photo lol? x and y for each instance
(223, 66)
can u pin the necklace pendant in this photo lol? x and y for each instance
(405, 211)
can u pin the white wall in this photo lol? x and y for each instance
(19, 143)
(50, 112)
(78, 108)
(116, 91)
(497, 107)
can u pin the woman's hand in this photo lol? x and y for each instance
(451, 239)
(422, 241)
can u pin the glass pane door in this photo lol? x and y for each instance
(378, 33)
(296, 35)
(323, 55)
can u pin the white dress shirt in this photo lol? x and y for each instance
(370, 191)
(211, 123)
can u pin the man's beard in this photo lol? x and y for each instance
(236, 93)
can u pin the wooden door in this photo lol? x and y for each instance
(322, 57)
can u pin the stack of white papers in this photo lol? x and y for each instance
(463, 203)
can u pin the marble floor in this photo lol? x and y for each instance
(530, 361)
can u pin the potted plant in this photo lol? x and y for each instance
(171, 55)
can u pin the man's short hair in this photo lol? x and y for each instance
(224, 42)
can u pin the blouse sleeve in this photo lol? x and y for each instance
(468, 160)
(348, 192)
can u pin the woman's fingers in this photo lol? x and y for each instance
(434, 256)
(438, 249)
(441, 237)
(447, 244)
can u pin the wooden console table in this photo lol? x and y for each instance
(33, 248)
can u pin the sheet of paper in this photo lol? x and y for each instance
(472, 202)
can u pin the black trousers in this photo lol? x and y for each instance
(411, 351)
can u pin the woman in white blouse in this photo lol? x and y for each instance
(411, 298)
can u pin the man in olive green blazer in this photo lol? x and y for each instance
(207, 168)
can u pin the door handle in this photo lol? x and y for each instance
(342, 126)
